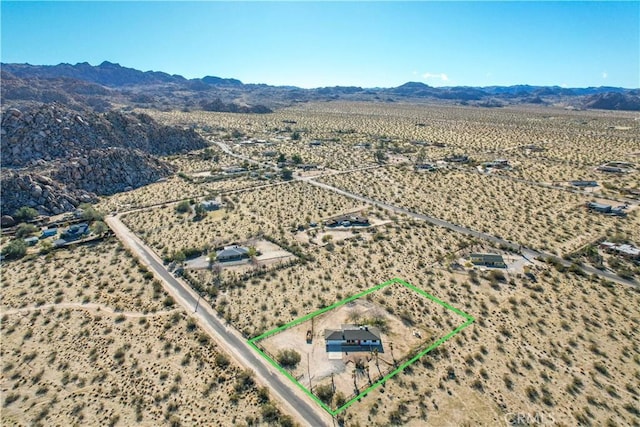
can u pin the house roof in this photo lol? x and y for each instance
(352, 332)
(489, 257)
(232, 252)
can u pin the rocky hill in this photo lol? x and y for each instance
(54, 158)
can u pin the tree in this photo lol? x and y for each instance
(286, 174)
(200, 211)
(325, 393)
(296, 159)
(25, 213)
(288, 358)
(89, 213)
(183, 207)
(15, 249)
(99, 228)
(295, 135)
(253, 252)
(25, 230)
(179, 257)
(281, 158)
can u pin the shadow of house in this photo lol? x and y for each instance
(352, 338)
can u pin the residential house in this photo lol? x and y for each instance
(624, 250)
(210, 205)
(457, 159)
(49, 232)
(232, 253)
(580, 183)
(31, 241)
(426, 166)
(347, 221)
(75, 231)
(606, 209)
(611, 169)
(352, 338)
(488, 260)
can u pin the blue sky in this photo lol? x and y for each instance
(312, 44)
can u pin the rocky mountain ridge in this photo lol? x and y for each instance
(54, 158)
(154, 89)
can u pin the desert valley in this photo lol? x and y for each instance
(348, 259)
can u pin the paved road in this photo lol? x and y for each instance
(305, 410)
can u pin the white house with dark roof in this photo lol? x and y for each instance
(352, 336)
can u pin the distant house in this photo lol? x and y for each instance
(308, 167)
(31, 241)
(580, 183)
(75, 232)
(611, 169)
(606, 209)
(426, 166)
(352, 338)
(488, 260)
(625, 250)
(210, 205)
(347, 221)
(457, 159)
(49, 232)
(234, 169)
(232, 253)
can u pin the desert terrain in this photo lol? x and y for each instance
(548, 340)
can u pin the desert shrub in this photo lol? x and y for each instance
(25, 230)
(221, 360)
(325, 393)
(15, 249)
(25, 213)
(183, 207)
(288, 358)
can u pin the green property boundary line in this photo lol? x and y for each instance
(253, 342)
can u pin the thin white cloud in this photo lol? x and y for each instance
(605, 75)
(441, 76)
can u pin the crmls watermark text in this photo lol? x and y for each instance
(529, 419)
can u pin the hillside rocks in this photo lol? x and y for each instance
(54, 158)
(111, 170)
(21, 188)
(53, 131)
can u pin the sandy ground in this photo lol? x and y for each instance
(400, 337)
(566, 345)
(88, 340)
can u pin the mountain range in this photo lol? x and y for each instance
(106, 84)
